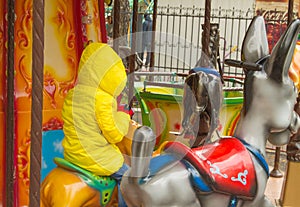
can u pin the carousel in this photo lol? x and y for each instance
(193, 142)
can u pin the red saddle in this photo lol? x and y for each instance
(226, 165)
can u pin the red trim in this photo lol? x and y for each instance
(215, 162)
(102, 21)
(233, 125)
(77, 14)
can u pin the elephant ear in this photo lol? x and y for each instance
(281, 57)
(255, 44)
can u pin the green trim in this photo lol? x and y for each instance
(233, 100)
(143, 96)
(144, 109)
(104, 184)
(178, 98)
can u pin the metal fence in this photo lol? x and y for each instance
(185, 27)
(179, 30)
(180, 50)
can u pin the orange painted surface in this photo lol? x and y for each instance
(63, 42)
(2, 54)
(23, 150)
(294, 71)
(60, 54)
(2, 154)
(60, 60)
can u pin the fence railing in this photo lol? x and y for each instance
(186, 23)
(179, 32)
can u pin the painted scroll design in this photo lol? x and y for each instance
(68, 47)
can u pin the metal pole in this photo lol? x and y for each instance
(37, 102)
(276, 173)
(133, 52)
(116, 26)
(290, 11)
(10, 105)
(206, 29)
(153, 35)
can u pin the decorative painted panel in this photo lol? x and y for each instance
(64, 42)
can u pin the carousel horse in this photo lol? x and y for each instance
(228, 171)
(70, 185)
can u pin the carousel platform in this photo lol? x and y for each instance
(275, 184)
(274, 189)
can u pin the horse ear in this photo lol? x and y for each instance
(281, 57)
(255, 44)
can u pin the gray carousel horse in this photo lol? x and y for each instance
(230, 171)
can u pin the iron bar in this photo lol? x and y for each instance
(185, 39)
(116, 26)
(238, 37)
(160, 29)
(206, 29)
(154, 21)
(192, 35)
(156, 73)
(276, 172)
(198, 38)
(37, 102)
(132, 56)
(10, 105)
(173, 32)
(179, 35)
(231, 39)
(290, 11)
(166, 37)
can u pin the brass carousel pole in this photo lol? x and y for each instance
(10, 119)
(133, 52)
(206, 29)
(205, 40)
(37, 101)
(290, 11)
(116, 26)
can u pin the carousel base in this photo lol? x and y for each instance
(291, 187)
(273, 190)
(275, 185)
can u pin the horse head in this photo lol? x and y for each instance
(270, 95)
(202, 99)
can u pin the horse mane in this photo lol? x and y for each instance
(213, 92)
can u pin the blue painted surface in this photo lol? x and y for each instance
(51, 147)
